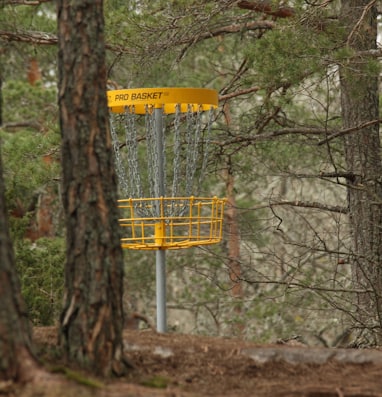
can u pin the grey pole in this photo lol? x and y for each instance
(161, 290)
(160, 254)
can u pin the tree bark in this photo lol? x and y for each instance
(91, 323)
(17, 362)
(359, 100)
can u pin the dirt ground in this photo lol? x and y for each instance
(175, 365)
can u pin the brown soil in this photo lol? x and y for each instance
(183, 365)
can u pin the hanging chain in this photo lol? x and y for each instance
(164, 151)
(193, 138)
(177, 149)
(189, 125)
(151, 152)
(206, 148)
(123, 183)
(176, 160)
(132, 153)
(189, 148)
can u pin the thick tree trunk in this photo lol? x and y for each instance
(92, 318)
(359, 100)
(16, 359)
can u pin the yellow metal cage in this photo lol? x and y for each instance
(183, 222)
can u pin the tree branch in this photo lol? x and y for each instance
(228, 29)
(251, 139)
(29, 37)
(313, 204)
(238, 93)
(349, 130)
(309, 287)
(25, 2)
(360, 21)
(266, 8)
(235, 28)
(43, 38)
(21, 124)
(299, 203)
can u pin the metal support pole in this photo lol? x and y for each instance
(161, 290)
(160, 254)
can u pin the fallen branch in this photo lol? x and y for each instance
(21, 124)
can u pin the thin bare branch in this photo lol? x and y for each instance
(228, 29)
(248, 139)
(349, 130)
(310, 287)
(239, 73)
(303, 204)
(359, 22)
(238, 93)
(313, 204)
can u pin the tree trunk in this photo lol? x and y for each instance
(1, 97)
(233, 242)
(92, 318)
(359, 100)
(17, 362)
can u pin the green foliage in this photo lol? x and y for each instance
(41, 270)
(39, 20)
(28, 148)
(23, 102)
(30, 162)
(285, 56)
(37, 151)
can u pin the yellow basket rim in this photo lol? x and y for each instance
(173, 231)
(170, 246)
(166, 198)
(162, 97)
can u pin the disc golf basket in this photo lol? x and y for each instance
(160, 174)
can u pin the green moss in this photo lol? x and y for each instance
(157, 381)
(78, 377)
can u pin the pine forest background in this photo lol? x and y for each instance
(277, 154)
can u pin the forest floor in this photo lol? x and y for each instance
(175, 365)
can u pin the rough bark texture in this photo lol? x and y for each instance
(359, 99)
(92, 318)
(16, 360)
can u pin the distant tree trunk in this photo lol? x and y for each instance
(17, 362)
(1, 97)
(359, 99)
(92, 318)
(233, 242)
(34, 73)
